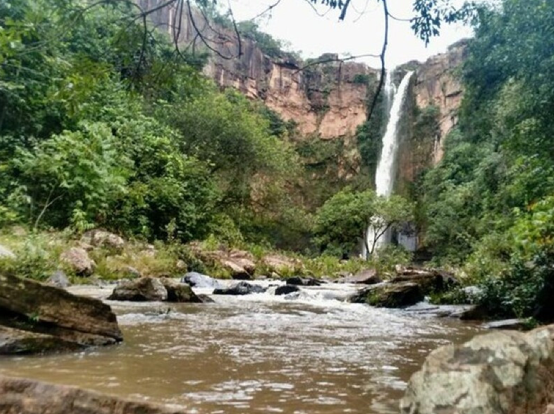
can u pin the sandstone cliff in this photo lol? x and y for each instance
(327, 100)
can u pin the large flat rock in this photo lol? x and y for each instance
(24, 396)
(33, 313)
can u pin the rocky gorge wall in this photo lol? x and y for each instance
(327, 100)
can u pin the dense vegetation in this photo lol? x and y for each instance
(488, 205)
(101, 127)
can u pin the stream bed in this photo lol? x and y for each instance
(307, 353)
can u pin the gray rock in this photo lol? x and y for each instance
(177, 292)
(199, 280)
(241, 288)
(496, 373)
(59, 279)
(509, 324)
(145, 289)
(205, 298)
(25, 396)
(6, 253)
(79, 261)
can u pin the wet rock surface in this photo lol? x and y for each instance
(495, 373)
(36, 318)
(199, 280)
(286, 289)
(24, 396)
(178, 292)
(303, 281)
(365, 277)
(145, 289)
(241, 288)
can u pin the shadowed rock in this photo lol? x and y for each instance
(241, 288)
(38, 318)
(24, 396)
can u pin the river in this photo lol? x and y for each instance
(311, 354)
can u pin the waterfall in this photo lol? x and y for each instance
(385, 173)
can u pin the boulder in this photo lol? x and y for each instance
(25, 396)
(365, 277)
(145, 289)
(78, 261)
(281, 264)
(241, 288)
(102, 238)
(37, 318)
(286, 289)
(429, 280)
(496, 373)
(390, 295)
(58, 279)
(177, 292)
(6, 253)
(199, 280)
(303, 281)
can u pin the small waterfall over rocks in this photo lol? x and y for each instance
(386, 168)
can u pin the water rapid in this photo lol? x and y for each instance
(308, 352)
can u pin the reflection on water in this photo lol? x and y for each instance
(256, 354)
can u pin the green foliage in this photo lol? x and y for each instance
(340, 222)
(80, 169)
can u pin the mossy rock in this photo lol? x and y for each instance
(397, 295)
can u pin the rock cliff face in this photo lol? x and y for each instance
(438, 85)
(328, 100)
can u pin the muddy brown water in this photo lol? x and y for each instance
(311, 354)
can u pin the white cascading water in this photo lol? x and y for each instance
(385, 173)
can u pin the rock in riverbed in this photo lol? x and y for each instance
(150, 289)
(199, 280)
(497, 373)
(286, 289)
(390, 295)
(145, 289)
(241, 288)
(38, 318)
(303, 281)
(24, 396)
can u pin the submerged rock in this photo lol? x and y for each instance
(177, 292)
(25, 396)
(145, 289)
(79, 261)
(390, 295)
(286, 289)
(199, 280)
(241, 288)
(38, 318)
(496, 373)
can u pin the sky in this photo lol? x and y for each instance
(297, 23)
